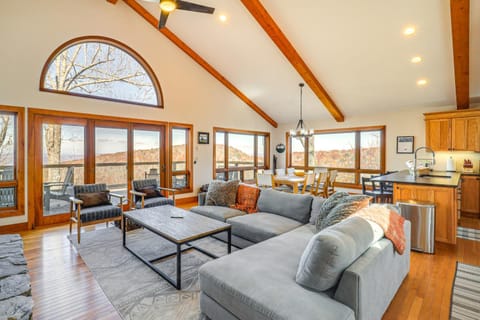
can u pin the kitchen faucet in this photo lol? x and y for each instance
(415, 159)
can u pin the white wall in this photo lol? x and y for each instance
(30, 31)
(404, 123)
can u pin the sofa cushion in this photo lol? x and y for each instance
(151, 192)
(218, 213)
(221, 193)
(247, 197)
(93, 199)
(348, 206)
(261, 226)
(154, 202)
(328, 205)
(331, 251)
(100, 213)
(267, 289)
(293, 206)
(316, 206)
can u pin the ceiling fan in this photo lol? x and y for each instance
(168, 6)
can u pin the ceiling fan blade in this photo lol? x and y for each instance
(163, 20)
(188, 6)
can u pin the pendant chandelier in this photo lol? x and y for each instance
(300, 130)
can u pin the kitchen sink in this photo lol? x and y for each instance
(433, 176)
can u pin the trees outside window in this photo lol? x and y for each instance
(11, 161)
(354, 152)
(239, 154)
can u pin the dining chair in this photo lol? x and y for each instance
(309, 182)
(377, 190)
(319, 188)
(280, 172)
(332, 177)
(265, 180)
(290, 171)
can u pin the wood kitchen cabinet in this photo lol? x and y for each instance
(470, 203)
(453, 131)
(445, 202)
(438, 134)
(466, 134)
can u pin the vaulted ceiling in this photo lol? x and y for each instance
(355, 50)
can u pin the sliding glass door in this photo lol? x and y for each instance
(111, 159)
(148, 153)
(72, 151)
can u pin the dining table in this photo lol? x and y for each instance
(292, 181)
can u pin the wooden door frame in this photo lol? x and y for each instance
(35, 163)
(35, 153)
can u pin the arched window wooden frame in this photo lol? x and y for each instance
(108, 41)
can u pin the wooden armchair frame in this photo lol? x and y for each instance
(75, 214)
(142, 195)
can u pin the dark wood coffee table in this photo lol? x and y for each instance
(179, 227)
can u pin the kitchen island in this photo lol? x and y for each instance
(438, 187)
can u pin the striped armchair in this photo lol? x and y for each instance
(83, 213)
(140, 199)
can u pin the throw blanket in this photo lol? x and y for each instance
(390, 221)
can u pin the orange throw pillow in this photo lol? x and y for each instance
(247, 197)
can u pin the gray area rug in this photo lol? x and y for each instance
(465, 303)
(136, 291)
(468, 233)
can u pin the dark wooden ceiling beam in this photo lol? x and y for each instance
(460, 17)
(281, 41)
(197, 58)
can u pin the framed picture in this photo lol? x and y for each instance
(203, 138)
(405, 144)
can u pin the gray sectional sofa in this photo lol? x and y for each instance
(279, 212)
(259, 282)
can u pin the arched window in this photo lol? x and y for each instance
(101, 68)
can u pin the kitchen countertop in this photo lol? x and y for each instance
(405, 177)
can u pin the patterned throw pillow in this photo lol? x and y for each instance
(247, 197)
(344, 209)
(93, 199)
(221, 193)
(328, 205)
(150, 192)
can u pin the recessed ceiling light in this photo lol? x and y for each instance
(408, 31)
(421, 82)
(222, 18)
(416, 59)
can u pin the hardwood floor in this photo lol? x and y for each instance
(64, 288)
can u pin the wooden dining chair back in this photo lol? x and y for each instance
(290, 171)
(265, 180)
(309, 182)
(332, 177)
(320, 185)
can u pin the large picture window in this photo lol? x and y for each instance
(354, 152)
(239, 154)
(101, 68)
(11, 161)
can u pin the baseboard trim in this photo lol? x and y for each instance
(14, 227)
(186, 200)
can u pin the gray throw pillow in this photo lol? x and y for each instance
(328, 205)
(331, 251)
(348, 206)
(316, 206)
(221, 193)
